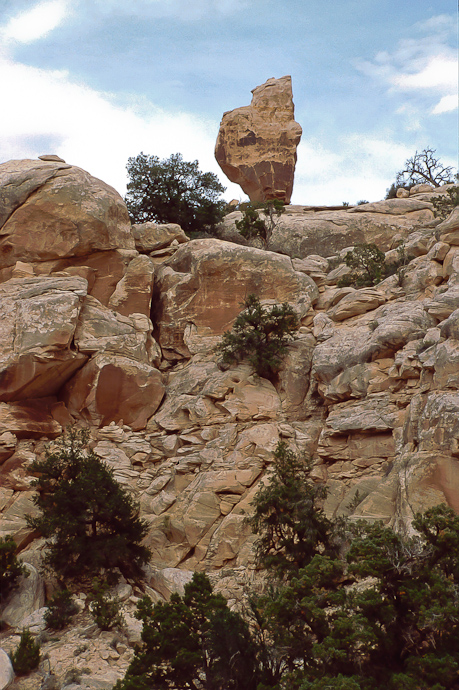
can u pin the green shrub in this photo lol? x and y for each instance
(259, 220)
(104, 608)
(90, 522)
(368, 264)
(445, 203)
(61, 608)
(10, 568)
(288, 517)
(26, 657)
(260, 336)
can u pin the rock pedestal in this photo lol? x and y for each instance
(256, 144)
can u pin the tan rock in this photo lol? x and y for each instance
(169, 580)
(205, 284)
(394, 207)
(152, 236)
(21, 178)
(446, 363)
(133, 292)
(30, 418)
(69, 214)
(395, 324)
(23, 601)
(256, 144)
(444, 302)
(421, 188)
(438, 252)
(402, 193)
(451, 263)
(8, 443)
(6, 670)
(448, 231)
(357, 302)
(294, 376)
(38, 317)
(14, 518)
(227, 540)
(325, 232)
(113, 387)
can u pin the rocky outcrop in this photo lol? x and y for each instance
(200, 290)
(302, 230)
(368, 390)
(52, 210)
(256, 144)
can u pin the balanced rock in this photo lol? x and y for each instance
(256, 144)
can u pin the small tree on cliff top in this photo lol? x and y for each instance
(424, 167)
(173, 191)
(89, 520)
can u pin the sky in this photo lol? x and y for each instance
(99, 81)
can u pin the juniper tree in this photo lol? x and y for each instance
(260, 335)
(90, 522)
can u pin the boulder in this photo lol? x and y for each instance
(256, 144)
(6, 670)
(133, 292)
(357, 302)
(38, 317)
(301, 232)
(54, 210)
(110, 388)
(100, 329)
(200, 291)
(150, 236)
(27, 598)
(394, 325)
(31, 418)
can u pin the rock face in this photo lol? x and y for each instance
(368, 389)
(256, 144)
(302, 230)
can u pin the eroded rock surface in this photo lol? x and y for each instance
(368, 390)
(256, 144)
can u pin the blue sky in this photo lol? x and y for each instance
(97, 81)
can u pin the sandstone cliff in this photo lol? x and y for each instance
(116, 327)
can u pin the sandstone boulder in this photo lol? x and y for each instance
(301, 231)
(100, 329)
(110, 388)
(6, 670)
(152, 236)
(256, 144)
(54, 210)
(27, 598)
(133, 292)
(394, 325)
(31, 418)
(38, 317)
(200, 291)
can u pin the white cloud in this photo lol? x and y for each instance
(439, 73)
(427, 65)
(36, 23)
(446, 105)
(87, 128)
(360, 167)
